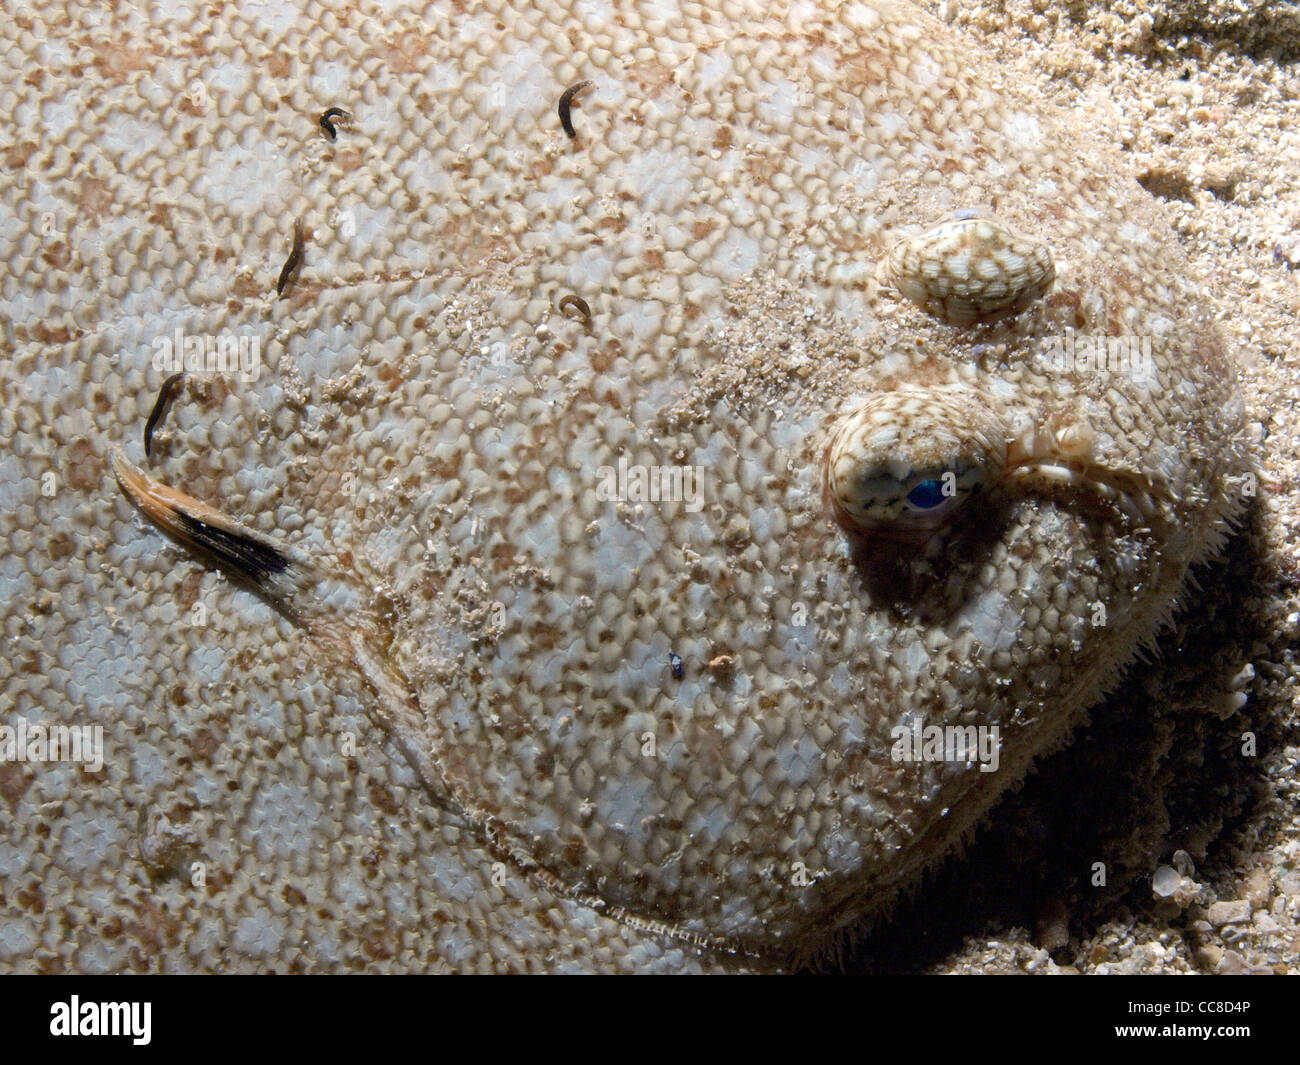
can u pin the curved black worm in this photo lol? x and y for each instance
(327, 120)
(566, 101)
(578, 304)
(166, 394)
(294, 260)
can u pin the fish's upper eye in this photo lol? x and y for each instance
(905, 460)
(971, 269)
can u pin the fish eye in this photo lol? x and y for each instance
(905, 461)
(927, 495)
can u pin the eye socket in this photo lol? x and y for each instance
(905, 461)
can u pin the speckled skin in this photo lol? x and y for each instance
(505, 773)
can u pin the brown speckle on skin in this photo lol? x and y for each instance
(16, 156)
(84, 466)
(95, 199)
(404, 52)
(15, 779)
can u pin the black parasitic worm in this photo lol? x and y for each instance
(328, 118)
(166, 394)
(294, 260)
(578, 304)
(566, 101)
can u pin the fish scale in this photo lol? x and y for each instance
(467, 744)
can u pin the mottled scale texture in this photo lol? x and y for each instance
(427, 423)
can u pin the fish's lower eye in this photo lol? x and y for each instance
(906, 460)
(927, 495)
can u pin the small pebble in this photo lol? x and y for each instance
(1258, 888)
(1165, 882)
(1235, 911)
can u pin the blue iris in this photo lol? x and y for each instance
(927, 495)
